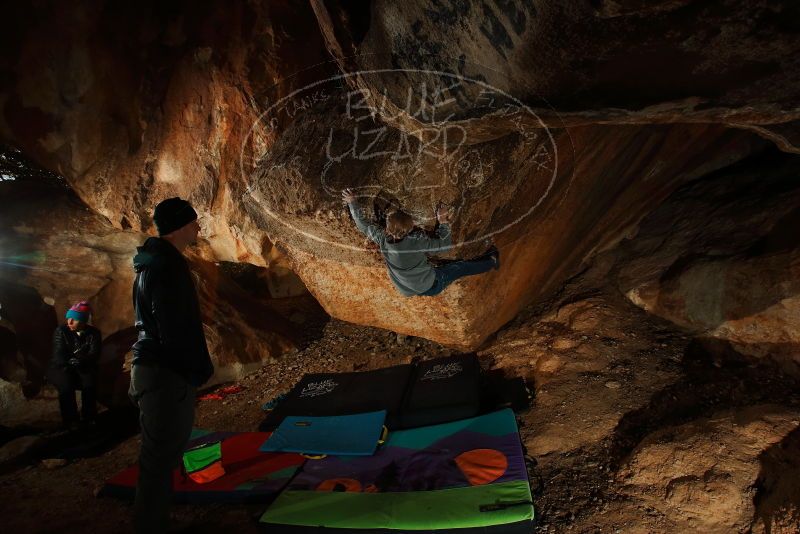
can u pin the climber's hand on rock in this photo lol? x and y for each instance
(348, 196)
(444, 214)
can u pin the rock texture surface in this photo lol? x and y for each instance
(721, 258)
(693, 61)
(702, 475)
(574, 356)
(16, 408)
(219, 105)
(157, 103)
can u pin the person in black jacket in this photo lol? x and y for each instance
(170, 357)
(76, 352)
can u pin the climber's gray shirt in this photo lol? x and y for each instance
(406, 260)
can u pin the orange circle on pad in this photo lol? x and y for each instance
(340, 484)
(482, 466)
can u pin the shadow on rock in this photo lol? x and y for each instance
(710, 385)
(777, 499)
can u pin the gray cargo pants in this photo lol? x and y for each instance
(166, 414)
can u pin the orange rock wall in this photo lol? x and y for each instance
(622, 102)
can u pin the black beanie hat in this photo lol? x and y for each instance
(172, 214)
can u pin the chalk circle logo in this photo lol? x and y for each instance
(418, 135)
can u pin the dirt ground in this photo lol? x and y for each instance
(605, 376)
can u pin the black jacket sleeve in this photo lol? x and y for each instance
(61, 350)
(90, 355)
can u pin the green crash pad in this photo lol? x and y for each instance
(467, 474)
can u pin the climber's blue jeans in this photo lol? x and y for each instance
(450, 272)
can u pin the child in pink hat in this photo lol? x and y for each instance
(76, 353)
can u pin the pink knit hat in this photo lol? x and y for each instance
(80, 311)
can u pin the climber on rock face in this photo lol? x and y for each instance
(405, 252)
(170, 358)
(76, 352)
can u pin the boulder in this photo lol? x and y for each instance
(704, 475)
(541, 224)
(733, 279)
(260, 113)
(589, 368)
(579, 62)
(16, 409)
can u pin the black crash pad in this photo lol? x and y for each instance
(327, 394)
(442, 390)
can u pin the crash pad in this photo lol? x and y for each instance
(344, 435)
(250, 476)
(325, 394)
(462, 476)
